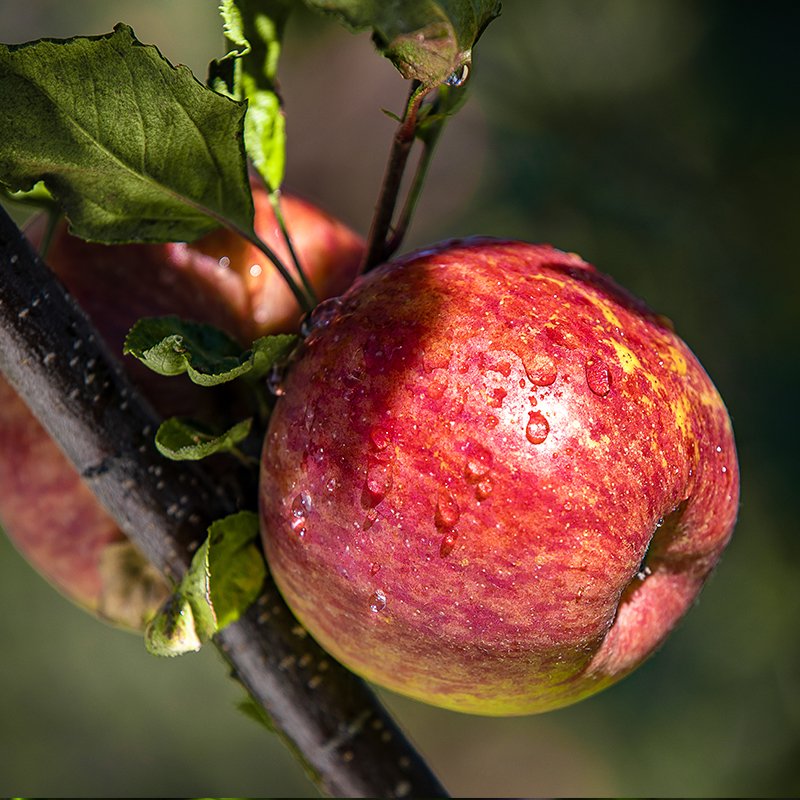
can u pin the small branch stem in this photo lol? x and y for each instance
(401, 228)
(305, 297)
(275, 202)
(48, 351)
(393, 177)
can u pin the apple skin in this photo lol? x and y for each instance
(494, 481)
(45, 508)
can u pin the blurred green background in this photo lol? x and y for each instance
(660, 140)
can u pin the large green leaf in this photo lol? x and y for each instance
(133, 148)
(249, 72)
(428, 40)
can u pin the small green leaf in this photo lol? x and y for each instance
(224, 579)
(249, 72)
(171, 346)
(235, 565)
(187, 440)
(427, 40)
(133, 148)
(172, 631)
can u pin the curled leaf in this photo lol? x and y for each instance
(172, 346)
(185, 440)
(225, 577)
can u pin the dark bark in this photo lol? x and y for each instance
(51, 354)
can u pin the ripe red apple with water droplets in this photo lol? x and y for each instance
(495, 481)
(45, 508)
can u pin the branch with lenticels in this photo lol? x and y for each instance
(50, 353)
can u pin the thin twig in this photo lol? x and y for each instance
(275, 202)
(326, 715)
(393, 177)
(404, 219)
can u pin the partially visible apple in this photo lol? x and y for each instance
(45, 508)
(495, 481)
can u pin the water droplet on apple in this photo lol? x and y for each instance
(436, 388)
(484, 489)
(447, 511)
(597, 376)
(377, 601)
(379, 438)
(320, 318)
(479, 462)
(275, 380)
(379, 478)
(374, 568)
(496, 398)
(447, 544)
(540, 369)
(224, 262)
(301, 506)
(537, 428)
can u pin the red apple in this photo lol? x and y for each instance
(45, 508)
(495, 481)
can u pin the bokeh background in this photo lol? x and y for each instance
(661, 140)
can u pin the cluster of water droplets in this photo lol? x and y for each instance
(446, 516)
(301, 508)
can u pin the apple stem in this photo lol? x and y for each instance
(380, 242)
(305, 296)
(330, 718)
(275, 202)
(401, 228)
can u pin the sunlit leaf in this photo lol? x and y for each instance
(224, 579)
(427, 40)
(133, 148)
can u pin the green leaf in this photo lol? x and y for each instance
(36, 196)
(224, 579)
(172, 631)
(133, 148)
(172, 346)
(187, 440)
(427, 40)
(235, 564)
(249, 72)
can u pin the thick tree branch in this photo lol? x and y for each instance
(55, 360)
